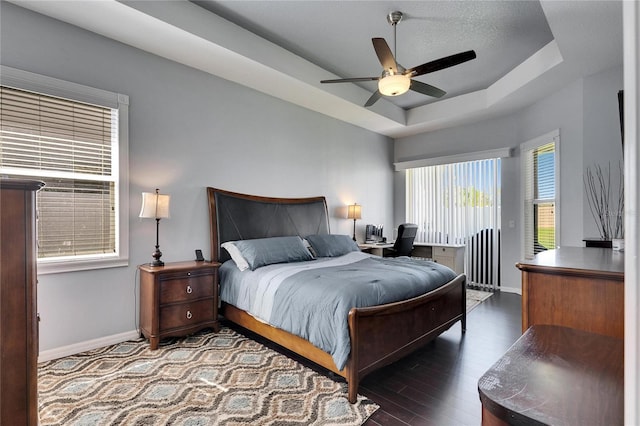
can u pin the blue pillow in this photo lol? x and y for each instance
(266, 251)
(332, 245)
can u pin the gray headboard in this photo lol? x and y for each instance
(234, 216)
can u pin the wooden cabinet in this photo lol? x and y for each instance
(18, 303)
(178, 299)
(575, 287)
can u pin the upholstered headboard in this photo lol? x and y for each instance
(234, 216)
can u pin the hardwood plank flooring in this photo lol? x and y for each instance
(438, 385)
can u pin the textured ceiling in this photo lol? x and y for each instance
(336, 35)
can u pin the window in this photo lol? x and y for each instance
(70, 137)
(540, 176)
(460, 204)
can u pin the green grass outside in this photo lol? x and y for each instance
(546, 237)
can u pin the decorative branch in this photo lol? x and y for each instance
(597, 185)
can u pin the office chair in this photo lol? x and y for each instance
(403, 246)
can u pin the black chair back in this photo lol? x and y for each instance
(404, 242)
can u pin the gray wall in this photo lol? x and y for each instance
(189, 130)
(602, 138)
(586, 113)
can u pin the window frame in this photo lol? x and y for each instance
(553, 136)
(25, 80)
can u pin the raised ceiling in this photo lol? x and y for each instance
(336, 36)
(525, 49)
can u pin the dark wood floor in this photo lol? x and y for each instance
(438, 385)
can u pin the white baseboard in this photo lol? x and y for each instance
(88, 345)
(511, 290)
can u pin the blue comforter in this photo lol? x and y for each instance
(312, 299)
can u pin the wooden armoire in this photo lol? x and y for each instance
(18, 312)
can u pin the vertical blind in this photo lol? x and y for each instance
(459, 204)
(70, 146)
(539, 165)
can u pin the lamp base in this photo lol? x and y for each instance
(156, 257)
(354, 230)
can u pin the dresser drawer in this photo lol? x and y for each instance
(184, 287)
(186, 314)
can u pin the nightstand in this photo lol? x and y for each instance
(177, 299)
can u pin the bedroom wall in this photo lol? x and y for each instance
(585, 111)
(602, 138)
(188, 130)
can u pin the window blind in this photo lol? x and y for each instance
(70, 146)
(539, 176)
(460, 204)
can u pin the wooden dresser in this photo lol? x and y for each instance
(18, 303)
(575, 287)
(178, 299)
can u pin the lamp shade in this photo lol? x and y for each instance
(354, 211)
(394, 85)
(155, 205)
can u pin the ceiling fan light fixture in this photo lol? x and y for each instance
(394, 85)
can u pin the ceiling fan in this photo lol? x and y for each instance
(397, 80)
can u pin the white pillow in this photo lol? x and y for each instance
(235, 254)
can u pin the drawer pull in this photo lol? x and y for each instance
(189, 273)
(189, 315)
(189, 289)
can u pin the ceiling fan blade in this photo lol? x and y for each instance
(442, 63)
(350, 80)
(426, 89)
(384, 54)
(374, 97)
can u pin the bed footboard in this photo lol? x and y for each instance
(383, 334)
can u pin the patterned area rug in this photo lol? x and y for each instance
(204, 379)
(475, 297)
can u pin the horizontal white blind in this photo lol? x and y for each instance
(68, 145)
(46, 133)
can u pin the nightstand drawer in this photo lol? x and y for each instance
(186, 314)
(179, 288)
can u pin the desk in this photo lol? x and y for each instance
(450, 255)
(376, 249)
(556, 376)
(576, 287)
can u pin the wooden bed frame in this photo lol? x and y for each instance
(379, 335)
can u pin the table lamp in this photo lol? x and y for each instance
(354, 211)
(156, 206)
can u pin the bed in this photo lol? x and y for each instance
(378, 335)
